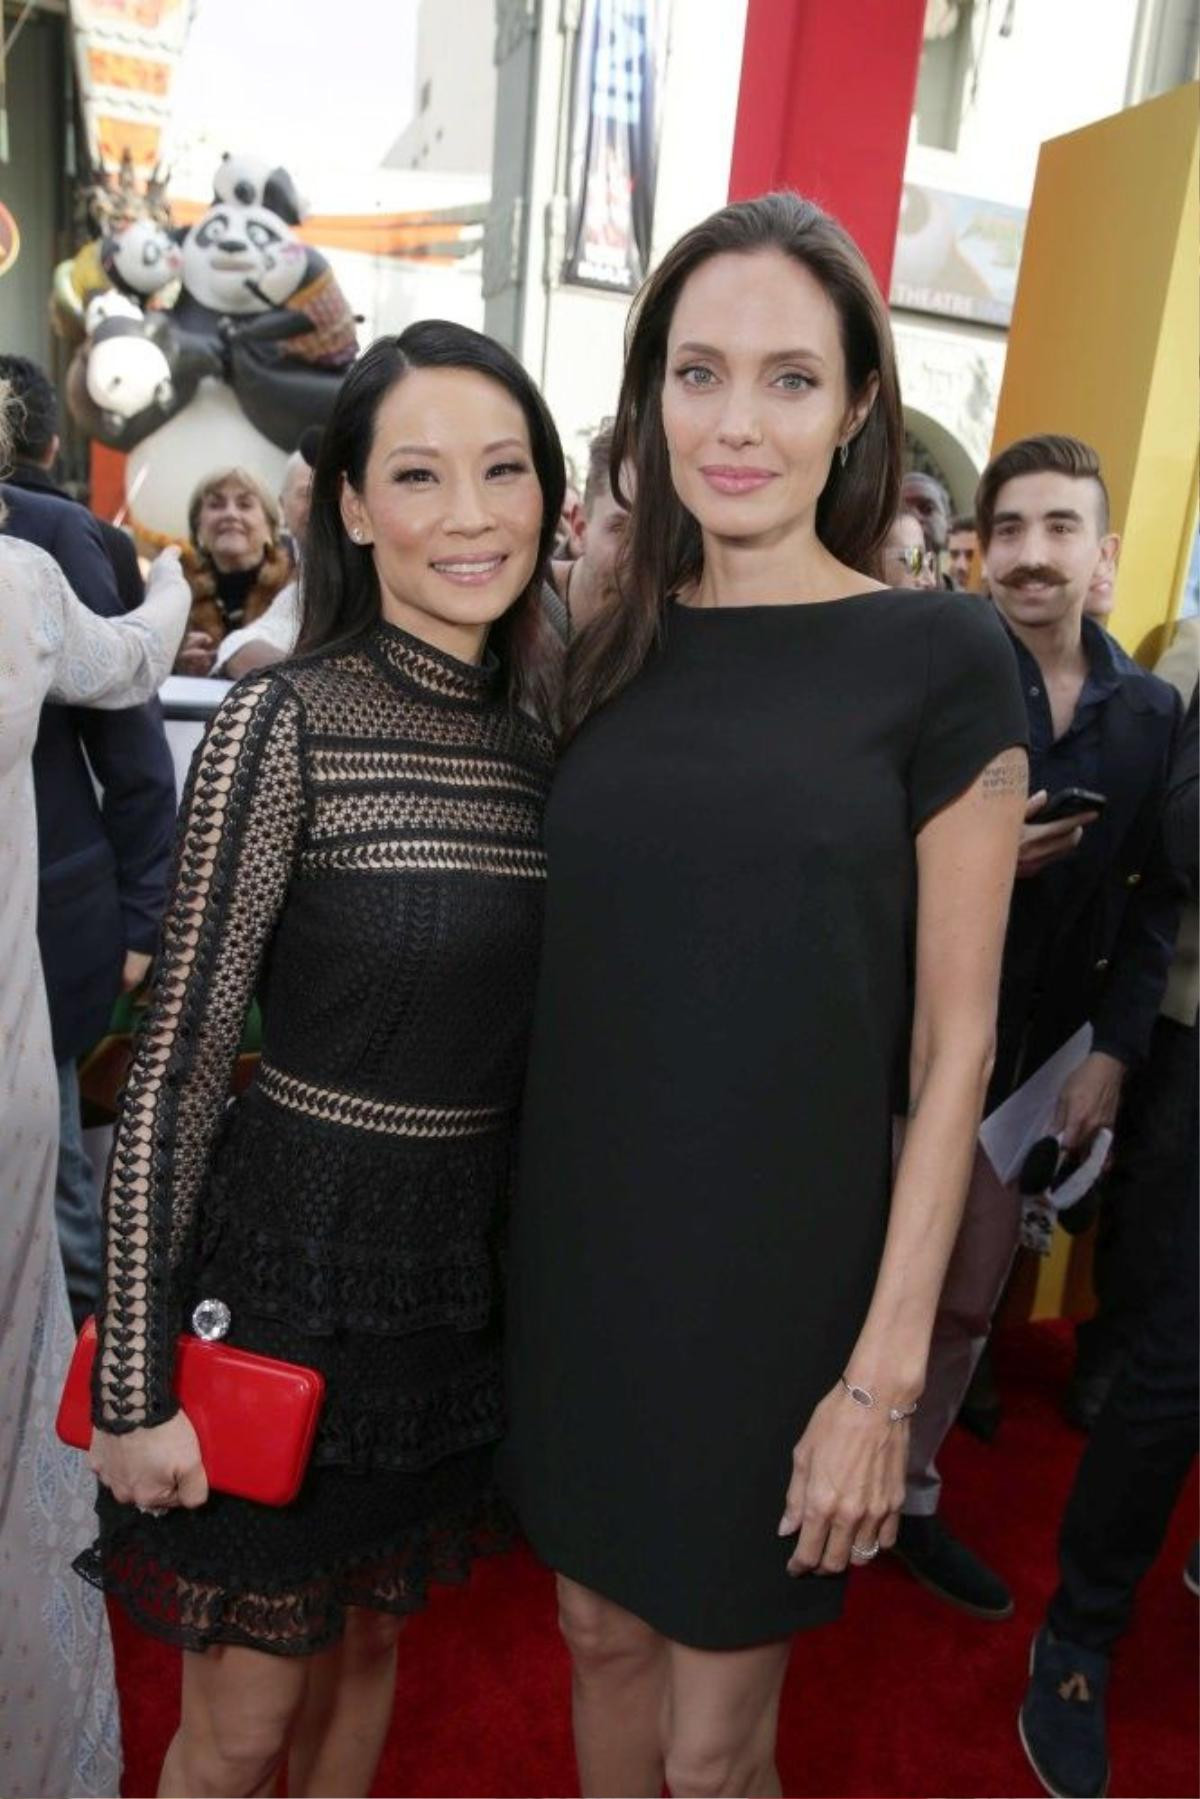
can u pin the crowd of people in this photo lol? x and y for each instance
(647, 887)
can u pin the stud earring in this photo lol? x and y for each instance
(844, 452)
(356, 534)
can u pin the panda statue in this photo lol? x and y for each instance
(127, 371)
(257, 343)
(250, 181)
(141, 259)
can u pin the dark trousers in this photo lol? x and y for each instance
(1141, 1449)
(1138, 1208)
(76, 1202)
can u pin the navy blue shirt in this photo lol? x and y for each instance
(1072, 760)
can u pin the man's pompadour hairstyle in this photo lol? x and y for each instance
(1037, 456)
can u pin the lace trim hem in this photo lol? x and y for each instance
(196, 1613)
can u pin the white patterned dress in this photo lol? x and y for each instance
(59, 1730)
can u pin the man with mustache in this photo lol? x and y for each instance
(1093, 916)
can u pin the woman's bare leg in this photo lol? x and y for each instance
(343, 1724)
(312, 1720)
(618, 1684)
(238, 1709)
(720, 1718)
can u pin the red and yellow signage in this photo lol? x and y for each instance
(126, 54)
(129, 74)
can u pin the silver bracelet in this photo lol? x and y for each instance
(863, 1396)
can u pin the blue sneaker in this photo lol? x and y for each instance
(1062, 1717)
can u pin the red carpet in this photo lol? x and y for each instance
(905, 1696)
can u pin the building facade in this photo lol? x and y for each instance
(454, 102)
(996, 81)
(997, 78)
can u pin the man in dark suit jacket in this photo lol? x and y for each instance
(35, 452)
(1093, 918)
(103, 862)
(1144, 1441)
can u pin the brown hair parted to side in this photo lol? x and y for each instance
(663, 550)
(599, 470)
(1047, 455)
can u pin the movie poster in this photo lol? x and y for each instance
(614, 144)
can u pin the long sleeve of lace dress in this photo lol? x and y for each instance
(241, 826)
(110, 663)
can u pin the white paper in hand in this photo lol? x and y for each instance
(1010, 1132)
(1086, 1175)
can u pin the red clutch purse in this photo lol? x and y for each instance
(255, 1418)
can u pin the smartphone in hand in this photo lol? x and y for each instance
(1069, 802)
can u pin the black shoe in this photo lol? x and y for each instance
(948, 1568)
(1191, 1571)
(1061, 1721)
(980, 1411)
(983, 1421)
(1085, 1398)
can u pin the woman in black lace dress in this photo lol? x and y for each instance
(361, 847)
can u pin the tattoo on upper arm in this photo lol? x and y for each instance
(1009, 773)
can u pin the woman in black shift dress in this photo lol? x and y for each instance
(361, 846)
(791, 803)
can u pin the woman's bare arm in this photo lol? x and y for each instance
(849, 1465)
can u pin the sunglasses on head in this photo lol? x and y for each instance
(914, 560)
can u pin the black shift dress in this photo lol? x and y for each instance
(720, 1042)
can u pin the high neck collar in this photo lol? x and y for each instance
(435, 671)
(234, 587)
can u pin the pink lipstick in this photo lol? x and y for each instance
(736, 479)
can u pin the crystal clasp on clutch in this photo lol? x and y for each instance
(211, 1320)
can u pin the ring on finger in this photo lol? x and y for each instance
(165, 1501)
(864, 1552)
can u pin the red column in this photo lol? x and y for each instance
(106, 488)
(824, 107)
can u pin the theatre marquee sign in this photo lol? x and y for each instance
(957, 256)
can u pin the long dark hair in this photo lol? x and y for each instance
(340, 590)
(663, 550)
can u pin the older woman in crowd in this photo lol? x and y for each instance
(237, 562)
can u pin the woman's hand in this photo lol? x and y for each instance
(847, 1484)
(198, 654)
(154, 1468)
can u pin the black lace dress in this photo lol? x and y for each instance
(361, 846)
